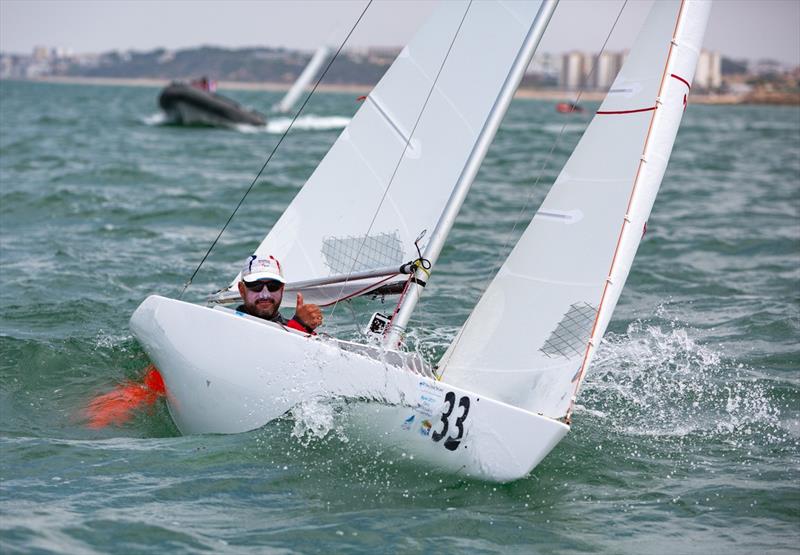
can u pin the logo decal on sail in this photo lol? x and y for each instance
(365, 252)
(572, 332)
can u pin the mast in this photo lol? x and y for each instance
(473, 164)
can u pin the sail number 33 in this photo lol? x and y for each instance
(451, 442)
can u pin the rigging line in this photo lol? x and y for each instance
(275, 148)
(545, 162)
(405, 147)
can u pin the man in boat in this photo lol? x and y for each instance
(261, 289)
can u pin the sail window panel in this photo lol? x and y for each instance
(353, 253)
(505, 336)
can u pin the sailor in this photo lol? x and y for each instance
(261, 288)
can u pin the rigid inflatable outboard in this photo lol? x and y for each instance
(189, 104)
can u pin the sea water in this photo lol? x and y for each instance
(686, 435)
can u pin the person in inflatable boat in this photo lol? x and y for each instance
(261, 289)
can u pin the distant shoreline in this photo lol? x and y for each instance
(529, 93)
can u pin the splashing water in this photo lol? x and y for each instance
(315, 419)
(656, 382)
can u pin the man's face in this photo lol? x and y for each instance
(264, 303)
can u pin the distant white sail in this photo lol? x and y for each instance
(536, 328)
(304, 79)
(347, 218)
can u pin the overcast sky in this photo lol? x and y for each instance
(737, 28)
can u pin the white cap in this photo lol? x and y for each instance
(257, 268)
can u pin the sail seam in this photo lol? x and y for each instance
(579, 375)
(550, 281)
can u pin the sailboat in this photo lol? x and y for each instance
(311, 70)
(374, 216)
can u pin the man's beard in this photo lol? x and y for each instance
(265, 309)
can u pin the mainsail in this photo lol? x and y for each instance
(536, 328)
(390, 173)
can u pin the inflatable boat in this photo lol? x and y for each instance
(189, 104)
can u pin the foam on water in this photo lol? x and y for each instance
(657, 380)
(274, 126)
(159, 118)
(310, 123)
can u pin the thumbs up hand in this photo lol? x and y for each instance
(308, 314)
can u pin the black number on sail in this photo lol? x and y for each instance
(450, 399)
(452, 443)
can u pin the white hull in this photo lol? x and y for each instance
(228, 373)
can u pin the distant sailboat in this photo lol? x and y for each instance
(503, 394)
(303, 80)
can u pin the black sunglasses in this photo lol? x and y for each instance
(258, 286)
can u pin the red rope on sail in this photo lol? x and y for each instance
(681, 79)
(626, 111)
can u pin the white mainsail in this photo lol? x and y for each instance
(534, 331)
(304, 79)
(390, 173)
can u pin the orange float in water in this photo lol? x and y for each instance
(117, 407)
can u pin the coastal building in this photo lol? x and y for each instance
(573, 71)
(546, 64)
(708, 75)
(606, 67)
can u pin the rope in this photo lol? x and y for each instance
(271, 154)
(524, 209)
(405, 147)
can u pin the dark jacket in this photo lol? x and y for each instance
(294, 323)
